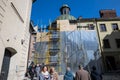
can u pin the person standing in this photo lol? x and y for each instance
(44, 75)
(95, 75)
(82, 74)
(53, 74)
(32, 72)
(37, 69)
(27, 74)
(68, 75)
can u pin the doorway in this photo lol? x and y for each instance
(110, 61)
(5, 64)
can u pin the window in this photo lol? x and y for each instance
(106, 43)
(117, 43)
(64, 11)
(114, 26)
(103, 28)
(91, 27)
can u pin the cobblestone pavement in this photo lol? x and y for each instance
(111, 77)
(60, 77)
(105, 77)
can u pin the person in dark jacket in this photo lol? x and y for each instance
(27, 74)
(95, 75)
(32, 72)
(68, 75)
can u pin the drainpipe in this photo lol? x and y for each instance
(29, 49)
(103, 60)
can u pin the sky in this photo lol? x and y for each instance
(44, 11)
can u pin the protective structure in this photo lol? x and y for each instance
(69, 48)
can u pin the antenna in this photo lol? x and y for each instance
(41, 28)
(50, 23)
(44, 28)
(37, 22)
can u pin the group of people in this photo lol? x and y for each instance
(82, 74)
(42, 73)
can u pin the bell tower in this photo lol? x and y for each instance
(65, 9)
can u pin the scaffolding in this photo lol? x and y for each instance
(76, 47)
(54, 46)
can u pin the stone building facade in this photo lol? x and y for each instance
(14, 38)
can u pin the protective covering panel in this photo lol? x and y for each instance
(76, 47)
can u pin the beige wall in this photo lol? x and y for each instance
(109, 34)
(85, 24)
(65, 25)
(14, 26)
(2, 47)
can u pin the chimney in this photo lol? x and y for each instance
(108, 13)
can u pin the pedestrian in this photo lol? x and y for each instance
(95, 75)
(68, 75)
(44, 75)
(82, 74)
(37, 69)
(32, 72)
(27, 74)
(53, 74)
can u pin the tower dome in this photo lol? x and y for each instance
(65, 13)
(65, 9)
